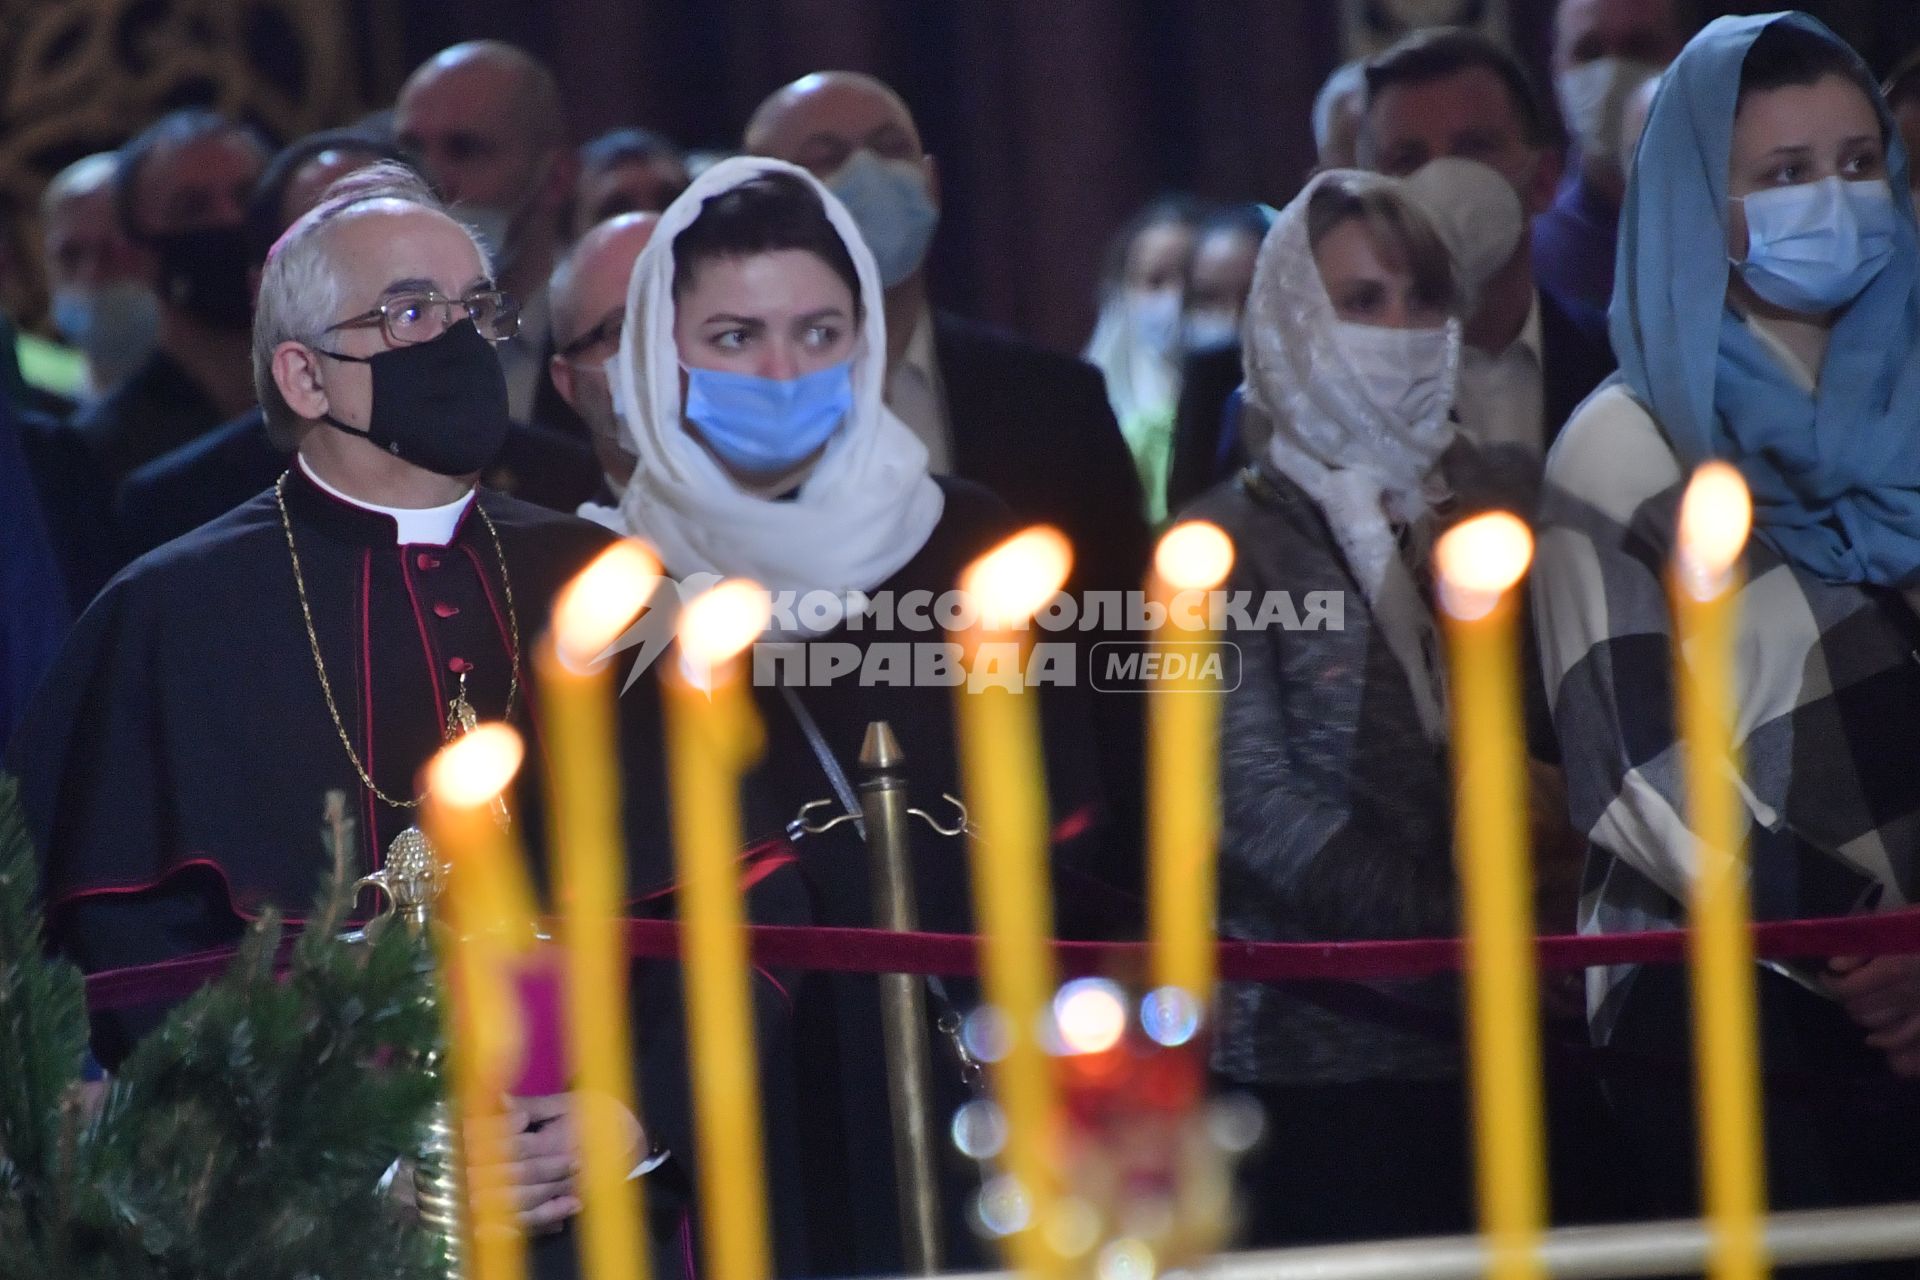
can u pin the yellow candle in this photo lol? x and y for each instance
(1004, 773)
(1479, 562)
(1183, 780)
(713, 735)
(1715, 517)
(583, 794)
(488, 918)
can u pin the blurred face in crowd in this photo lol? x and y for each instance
(632, 186)
(779, 315)
(478, 122)
(376, 251)
(588, 314)
(1798, 134)
(1470, 114)
(1604, 50)
(1370, 282)
(1158, 257)
(855, 134)
(1587, 31)
(1222, 275)
(199, 184)
(85, 248)
(819, 122)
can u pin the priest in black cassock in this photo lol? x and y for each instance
(316, 638)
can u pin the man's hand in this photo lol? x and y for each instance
(1882, 995)
(542, 1160)
(541, 1137)
(544, 1151)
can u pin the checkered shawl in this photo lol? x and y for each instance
(1828, 689)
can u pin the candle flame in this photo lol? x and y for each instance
(1016, 579)
(1480, 560)
(1194, 556)
(602, 601)
(718, 624)
(475, 768)
(1716, 515)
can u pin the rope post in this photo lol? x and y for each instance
(903, 1004)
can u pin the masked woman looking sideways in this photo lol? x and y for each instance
(750, 376)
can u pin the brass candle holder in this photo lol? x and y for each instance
(412, 880)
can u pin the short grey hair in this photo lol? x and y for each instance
(300, 287)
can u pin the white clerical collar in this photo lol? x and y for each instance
(430, 526)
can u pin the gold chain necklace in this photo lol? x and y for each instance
(460, 713)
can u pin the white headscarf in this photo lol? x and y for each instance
(1366, 469)
(865, 509)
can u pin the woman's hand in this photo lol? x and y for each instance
(1882, 995)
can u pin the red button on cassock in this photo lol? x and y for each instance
(446, 610)
(425, 561)
(459, 666)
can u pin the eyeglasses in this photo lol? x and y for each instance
(418, 317)
(607, 330)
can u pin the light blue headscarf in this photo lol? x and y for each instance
(1835, 476)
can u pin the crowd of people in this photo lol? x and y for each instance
(347, 414)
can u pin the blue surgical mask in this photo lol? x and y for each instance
(890, 203)
(768, 425)
(115, 326)
(1817, 246)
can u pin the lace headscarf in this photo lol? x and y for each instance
(1367, 470)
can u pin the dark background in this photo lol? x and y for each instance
(1051, 120)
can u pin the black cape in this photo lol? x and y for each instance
(174, 762)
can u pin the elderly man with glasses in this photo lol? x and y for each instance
(319, 638)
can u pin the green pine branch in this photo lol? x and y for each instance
(243, 1138)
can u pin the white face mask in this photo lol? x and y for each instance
(1593, 97)
(1153, 318)
(1408, 375)
(1204, 329)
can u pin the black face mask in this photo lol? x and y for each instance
(204, 273)
(441, 405)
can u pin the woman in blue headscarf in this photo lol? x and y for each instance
(1766, 311)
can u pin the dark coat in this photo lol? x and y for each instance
(1035, 427)
(155, 409)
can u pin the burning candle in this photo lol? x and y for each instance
(713, 735)
(1715, 517)
(1183, 779)
(1478, 563)
(488, 934)
(583, 789)
(1004, 772)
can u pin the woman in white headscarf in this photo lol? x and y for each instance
(1336, 812)
(749, 378)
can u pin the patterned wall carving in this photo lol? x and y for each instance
(78, 76)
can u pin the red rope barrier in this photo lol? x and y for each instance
(831, 950)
